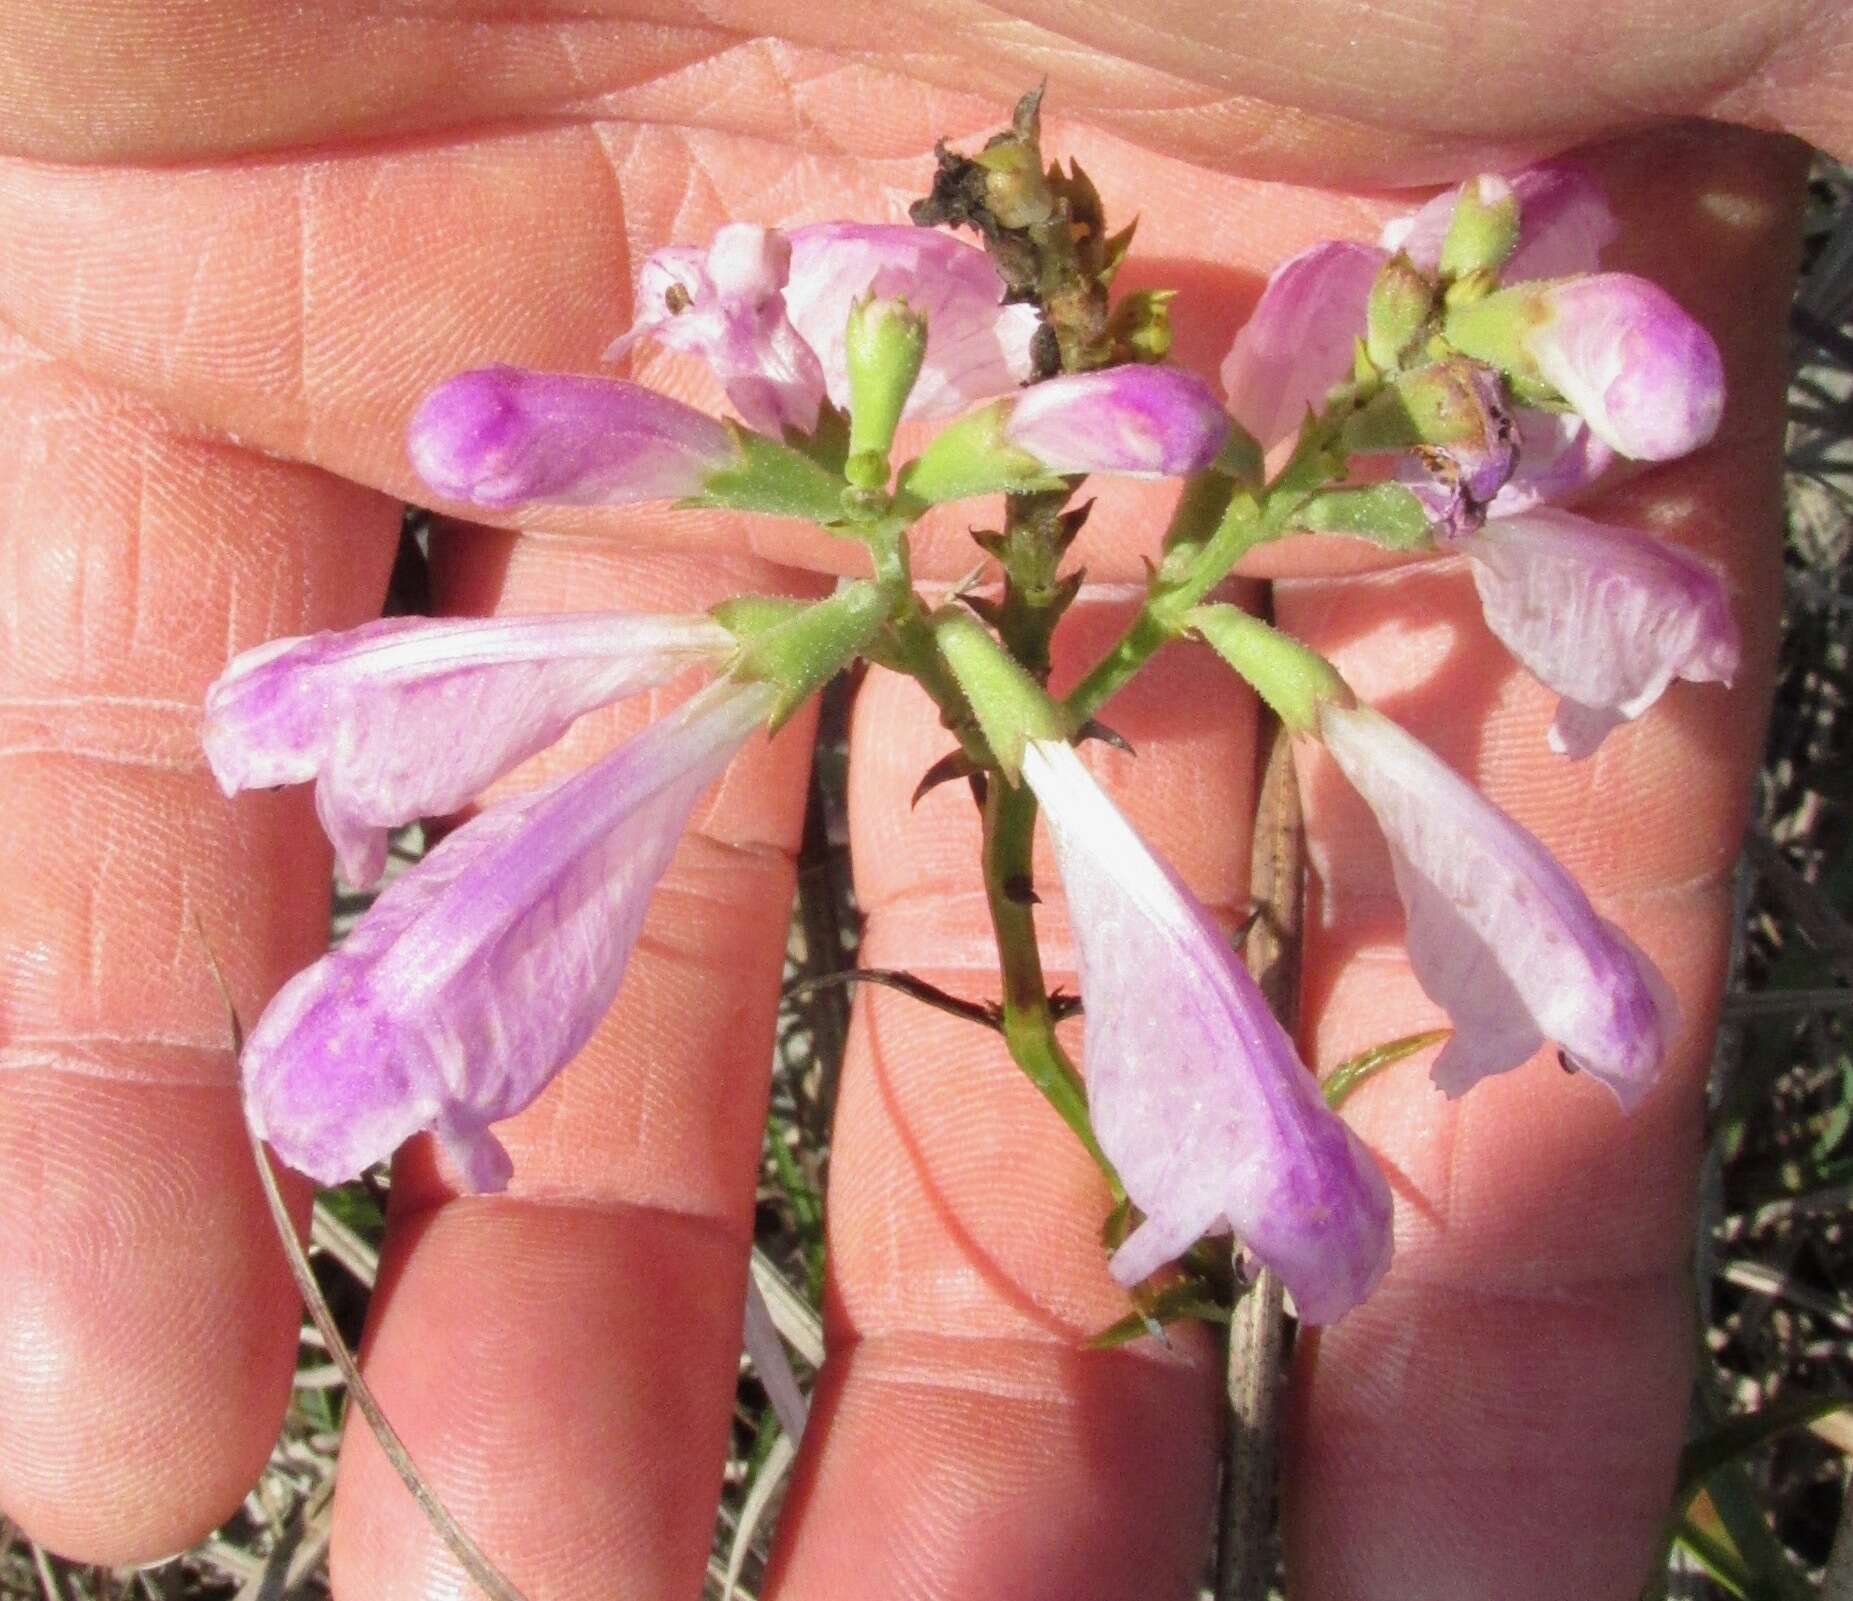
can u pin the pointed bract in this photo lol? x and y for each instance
(1605, 616)
(1195, 1091)
(500, 436)
(1136, 421)
(1300, 338)
(476, 976)
(413, 717)
(1499, 935)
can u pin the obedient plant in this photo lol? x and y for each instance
(1439, 390)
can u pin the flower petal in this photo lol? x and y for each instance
(1558, 458)
(1499, 934)
(499, 436)
(1299, 340)
(1137, 421)
(1196, 1093)
(412, 717)
(1646, 378)
(728, 307)
(1564, 224)
(1607, 617)
(977, 347)
(476, 976)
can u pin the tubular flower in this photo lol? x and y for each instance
(1499, 935)
(768, 311)
(1138, 421)
(476, 976)
(413, 717)
(499, 436)
(1195, 1091)
(1605, 616)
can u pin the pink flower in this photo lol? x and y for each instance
(1500, 935)
(413, 717)
(476, 976)
(1646, 378)
(499, 436)
(1195, 1091)
(1137, 421)
(1605, 616)
(768, 312)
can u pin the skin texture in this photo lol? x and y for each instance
(243, 240)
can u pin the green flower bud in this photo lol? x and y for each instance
(1484, 229)
(1401, 300)
(883, 348)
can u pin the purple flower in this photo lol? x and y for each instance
(1500, 935)
(1195, 1091)
(1138, 421)
(1605, 616)
(411, 717)
(1460, 482)
(499, 436)
(476, 976)
(768, 313)
(1564, 223)
(1646, 378)
(1299, 341)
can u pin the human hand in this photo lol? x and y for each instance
(357, 216)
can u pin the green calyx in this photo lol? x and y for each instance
(1483, 232)
(1011, 707)
(1140, 326)
(1497, 330)
(884, 346)
(801, 647)
(774, 479)
(1401, 302)
(972, 457)
(1386, 514)
(1292, 678)
(1435, 404)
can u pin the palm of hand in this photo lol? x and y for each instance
(362, 208)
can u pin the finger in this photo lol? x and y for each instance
(1504, 1415)
(147, 1324)
(965, 1441)
(1372, 89)
(230, 290)
(561, 1360)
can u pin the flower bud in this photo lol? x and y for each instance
(883, 348)
(500, 436)
(1397, 312)
(1483, 231)
(1646, 378)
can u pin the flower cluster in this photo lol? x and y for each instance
(1444, 388)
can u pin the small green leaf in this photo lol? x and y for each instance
(1338, 1084)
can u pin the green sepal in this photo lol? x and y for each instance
(1294, 679)
(774, 479)
(1496, 330)
(1200, 510)
(748, 616)
(1401, 302)
(1482, 234)
(1011, 707)
(1436, 404)
(884, 346)
(803, 651)
(1386, 514)
(1187, 1298)
(972, 457)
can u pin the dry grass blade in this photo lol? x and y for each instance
(330, 1234)
(48, 1581)
(767, 1353)
(766, 1484)
(791, 1314)
(460, 1545)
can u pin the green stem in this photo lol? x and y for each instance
(1029, 1024)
